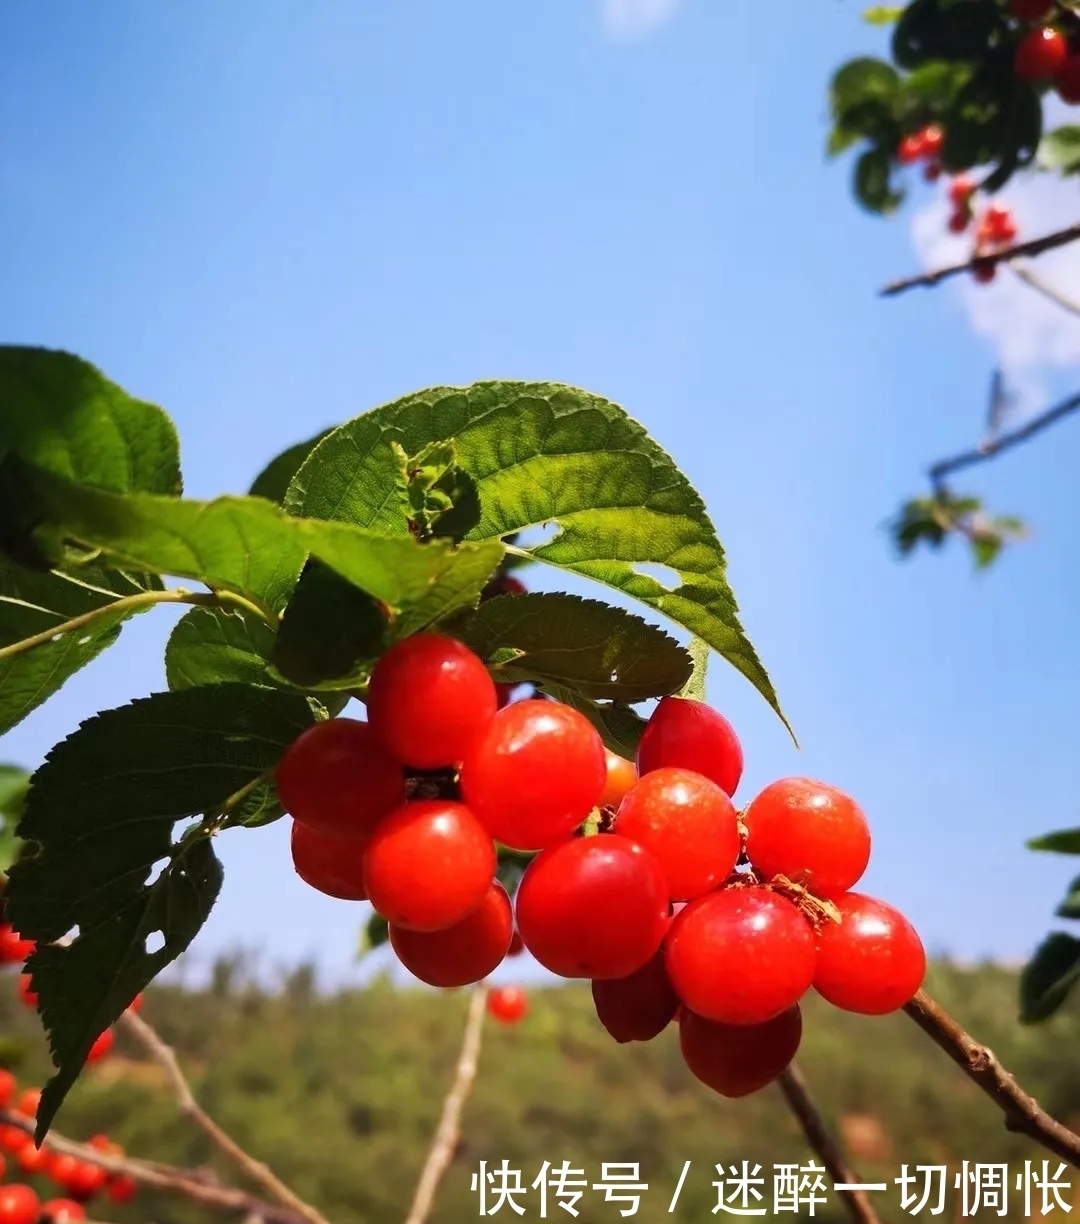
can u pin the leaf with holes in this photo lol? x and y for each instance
(1049, 977)
(33, 602)
(218, 645)
(102, 811)
(584, 644)
(273, 481)
(544, 453)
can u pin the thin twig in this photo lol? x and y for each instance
(255, 1169)
(793, 1085)
(989, 259)
(1023, 1113)
(161, 1176)
(448, 1131)
(1048, 291)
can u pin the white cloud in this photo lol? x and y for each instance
(1034, 339)
(625, 19)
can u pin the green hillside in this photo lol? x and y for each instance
(340, 1094)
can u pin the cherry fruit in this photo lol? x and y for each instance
(1067, 81)
(26, 990)
(332, 865)
(688, 823)
(686, 734)
(13, 948)
(337, 778)
(961, 189)
(19, 1205)
(429, 700)
(517, 945)
(638, 1007)
(593, 907)
(536, 775)
(121, 1188)
(810, 832)
(741, 955)
(463, 953)
(910, 149)
(507, 1004)
(872, 961)
(63, 1211)
(1040, 54)
(102, 1046)
(1031, 10)
(621, 776)
(8, 1085)
(28, 1101)
(85, 1180)
(428, 865)
(735, 1060)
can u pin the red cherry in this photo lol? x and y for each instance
(102, 1046)
(932, 171)
(512, 586)
(517, 946)
(507, 1004)
(429, 864)
(593, 907)
(872, 961)
(31, 1159)
(463, 953)
(18, 1205)
(338, 779)
(1040, 54)
(933, 137)
(910, 149)
(26, 990)
(961, 189)
(688, 734)
(688, 823)
(741, 955)
(13, 1139)
(13, 948)
(63, 1211)
(984, 273)
(1067, 81)
(8, 1084)
(1031, 10)
(735, 1060)
(503, 693)
(429, 700)
(62, 1168)
(536, 775)
(3, 1168)
(638, 1007)
(102, 1143)
(958, 222)
(332, 865)
(121, 1188)
(136, 1004)
(85, 1180)
(28, 1101)
(621, 776)
(996, 226)
(810, 832)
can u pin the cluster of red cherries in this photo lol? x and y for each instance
(646, 878)
(1046, 53)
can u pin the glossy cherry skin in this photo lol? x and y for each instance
(1031, 10)
(27, 993)
(28, 1101)
(638, 1007)
(735, 1060)
(31, 1159)
(536, 775)
(14, 950)
(1040, 54)
(741, 955)
(507, 1004)
(688, 823)
(63, 1211)
(910, 149)
(621, 777)
(810, 832)
(337, 778)
(872, 961)
(593, 907)
(686, 734)
(429, 700)
(517, 945)
(463, 953)
(1067, 81)
(84, 1180)
(102, 1046)
(18, 1205)
(8, 1086)
(122, 1188)
(428, 865)
(332, 865)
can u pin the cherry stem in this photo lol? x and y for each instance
(447, 1133)
(1036, 246)
(793, 1085)
(260, 1173)
(190, 1182)
(1023, 1114)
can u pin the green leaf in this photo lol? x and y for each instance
(544, 453)
(439, 498)
(940, 30)
(260, 806)
(883, 14)
(934, 86)
(61, 414)
(102, 810)
(1060, 149)
(1070, 907)
(694, 688)
(1048, 977)
(373, 934)
(14, 784)
(1065, 841)
(620, 726)
(584, 644)
(985, 548)
(218, 645)
(273, 480)
(864, 100)
(873, 182)
(33, 602)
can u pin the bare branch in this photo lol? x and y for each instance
(1022, 1112)
(1048, 291)
(794, 1087)
(1036, 246)
(189, 1106)
(447, 1132)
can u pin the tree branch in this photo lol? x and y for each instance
(161, 1176)
(794, 1087)
(1048, 291)
(1035, 246)
(1023, 1113)
(190, 1107)
(442, 1148)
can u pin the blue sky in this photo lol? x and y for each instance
(271, 216)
